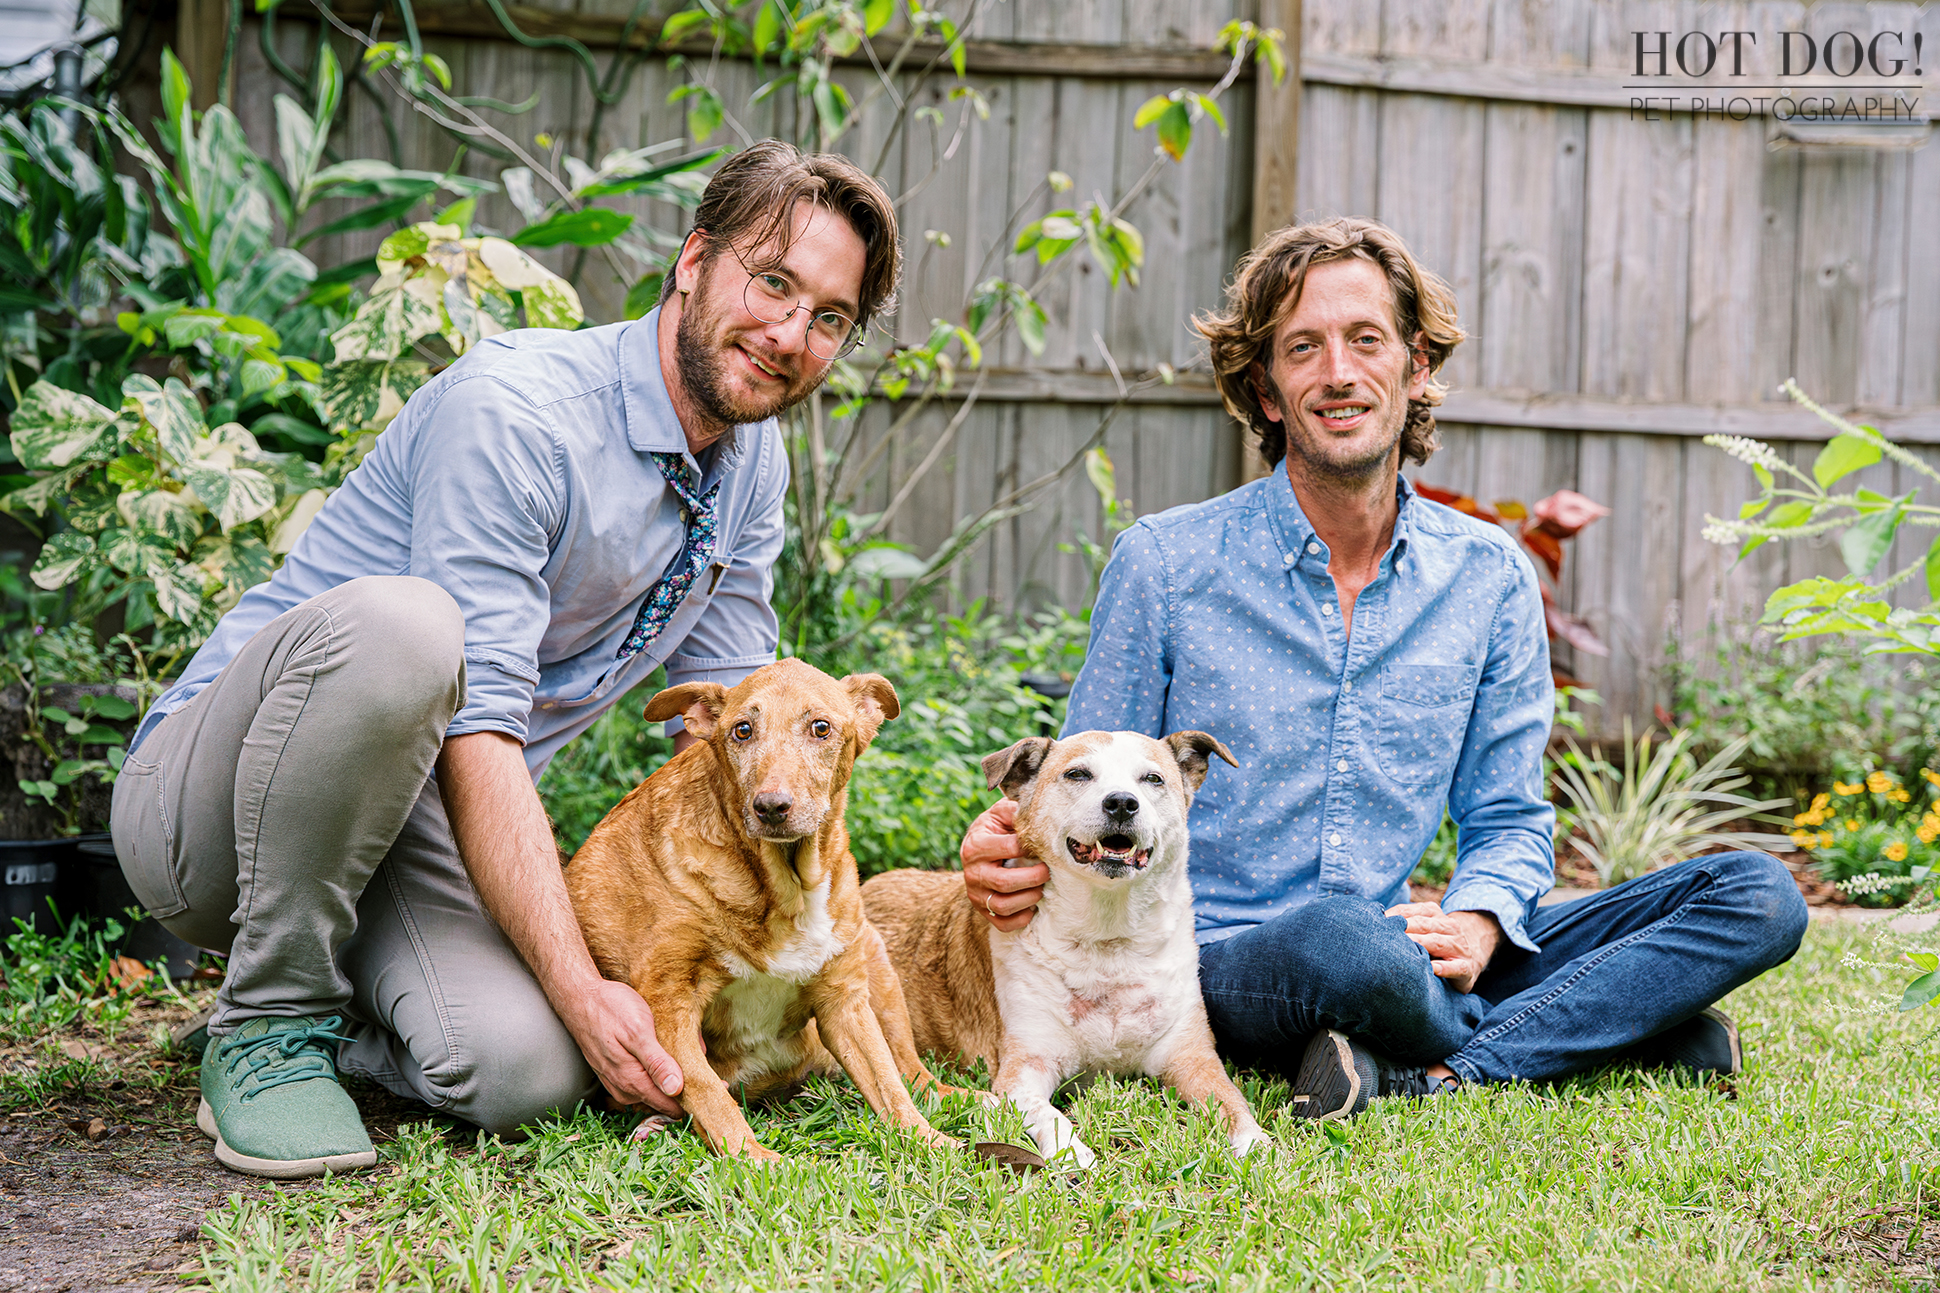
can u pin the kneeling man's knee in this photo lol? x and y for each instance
(1355, 958)
(1765, 890)
(519, 1076)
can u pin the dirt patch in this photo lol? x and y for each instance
(104, 1184)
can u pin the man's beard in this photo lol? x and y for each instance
(1345, 464)
(700, 345)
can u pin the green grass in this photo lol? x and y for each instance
(1619, 1180)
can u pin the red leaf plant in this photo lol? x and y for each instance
(1542, 530)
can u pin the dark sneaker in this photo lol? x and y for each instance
(1704, 1043)
(272, 1104)
(1339, 1077)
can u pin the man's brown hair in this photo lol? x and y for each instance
(1265, 289)
(751, 200)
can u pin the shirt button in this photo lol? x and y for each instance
(1341, 766)
(1334, 839)
(1314, 548)
(1347, 685)
(1326, 608)
(1289, 559)
(547, 704)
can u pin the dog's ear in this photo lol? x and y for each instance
(875, 704)
(1018, 766)
(1192, 750)
(697, 704)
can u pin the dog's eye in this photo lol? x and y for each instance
(1152, 779)
(1077, 774)
(743, 730)
(819, 728)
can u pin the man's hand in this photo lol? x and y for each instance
(1007, 896)
(1460, 942)
(614, 1029)
(507, 845)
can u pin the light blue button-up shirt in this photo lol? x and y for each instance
(1221, 616)
(519, 481)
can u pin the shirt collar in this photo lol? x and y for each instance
(652, 426)
(1293, 529)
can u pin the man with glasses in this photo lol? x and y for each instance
(339, 789)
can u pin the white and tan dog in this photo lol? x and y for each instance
(1105, 978)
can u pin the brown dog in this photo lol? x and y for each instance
(723, 890)
(1105, 978)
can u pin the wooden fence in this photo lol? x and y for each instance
(1630, 284)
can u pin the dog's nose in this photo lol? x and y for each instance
(1121, 807)
(772, 806)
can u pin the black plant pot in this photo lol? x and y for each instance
(92, 883)
(32, 870)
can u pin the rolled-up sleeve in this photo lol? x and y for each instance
(738, 632)
(1506, 858)
(486, 489)
(1128, 665)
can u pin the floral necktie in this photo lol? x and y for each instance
(697, 514)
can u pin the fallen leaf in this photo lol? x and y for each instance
(128, 973)
(1015, 1158)
(76, 1049)
(97, 1129)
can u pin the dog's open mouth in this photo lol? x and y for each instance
(1110, 851)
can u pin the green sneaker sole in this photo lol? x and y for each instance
(280, 1169)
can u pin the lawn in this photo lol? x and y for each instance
(1816, 1168)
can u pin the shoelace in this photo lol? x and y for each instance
(295, 1052)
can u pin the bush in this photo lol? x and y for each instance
(1872, 830)
(1811, 712)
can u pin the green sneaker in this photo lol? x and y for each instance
(271, 1102)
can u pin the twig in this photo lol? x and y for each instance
(929, 460)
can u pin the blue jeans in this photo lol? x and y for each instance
(1614, 969)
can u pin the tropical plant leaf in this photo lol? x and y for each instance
(165, 513)
(61, 558)
(178, 590)
(1921, 991)
(169, 408)
(388, 322)
(591, 227)
(52, 427)
(552, 304)
(235, 495)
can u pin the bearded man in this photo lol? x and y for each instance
(339, 790)
(1372, 658)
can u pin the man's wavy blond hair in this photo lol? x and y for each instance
(1265, 289)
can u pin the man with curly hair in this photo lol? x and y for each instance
(1373, 658)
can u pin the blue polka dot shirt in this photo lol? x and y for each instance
(1221, 617)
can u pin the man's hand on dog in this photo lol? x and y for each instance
(1461, 942)
(1006, 895)
(614, 1028)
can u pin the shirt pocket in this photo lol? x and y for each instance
(1422, 720)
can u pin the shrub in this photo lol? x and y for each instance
(1663, 805)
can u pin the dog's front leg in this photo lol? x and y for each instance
(1028, 1081)
(707, 1100)
(892, 1016)
(848, 1027)
(1195, 1071)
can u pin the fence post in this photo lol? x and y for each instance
(1276, 163)
(201, 39)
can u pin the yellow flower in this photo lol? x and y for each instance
(1820, 800)
(1825, 838)
(1841, 788)
(1804, 839)
(1931, 775)
(1930, 821)
(1816, 817)
(1928, 832)
(1898, 795)
(1896, 851)
(1798, 819)
(1852, 823)
(1878, 782)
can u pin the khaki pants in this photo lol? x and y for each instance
(287, 816)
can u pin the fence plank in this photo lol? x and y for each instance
(1532, 259)
(1431, 148)
(1636, 257)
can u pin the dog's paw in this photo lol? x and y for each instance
(652, 1126)
(1079, 1155)
(1246, 1141)
(753, 1151)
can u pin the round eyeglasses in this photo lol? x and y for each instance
(831, 333)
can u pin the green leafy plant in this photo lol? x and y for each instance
(1873, 837)
(1805, 505)
(1810, 711)
(1661, 807)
